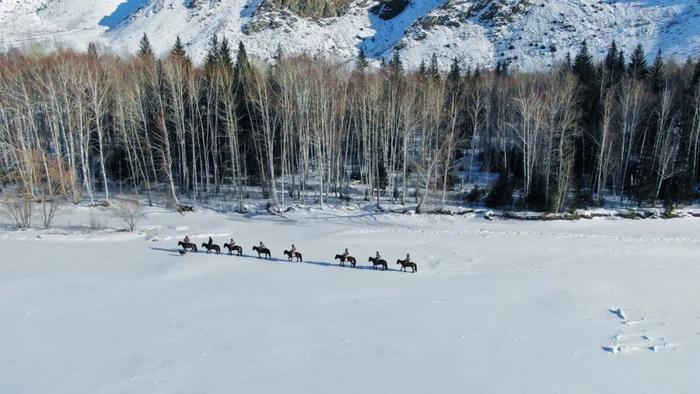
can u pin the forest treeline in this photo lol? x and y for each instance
(580, 134)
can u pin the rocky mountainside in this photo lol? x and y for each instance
(528, 34)
(308, 8)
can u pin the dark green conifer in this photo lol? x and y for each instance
(638, 64)
(145, 49)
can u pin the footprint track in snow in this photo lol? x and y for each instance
(625, 342)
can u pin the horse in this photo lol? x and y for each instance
(211, 247)
(262, 251)
(291, 254)
(405, 263)
(187, 245)
(231, 248)
(344, 258)
(378, 262)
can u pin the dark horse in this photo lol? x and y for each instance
(187, 245)
(291, 254)
(413, 266)
(231, 248)
(344, 258)
(262, 252)
(378, 262)
(211, 247)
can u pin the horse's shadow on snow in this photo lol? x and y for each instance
(175, 252)
(171, 252)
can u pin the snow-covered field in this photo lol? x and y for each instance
(605, 306)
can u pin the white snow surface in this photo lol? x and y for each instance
(496, 306)
(528, 34)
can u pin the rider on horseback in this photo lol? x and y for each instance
(232, 243)
(187, 239)
(377, 257)
(408, 258)
(210, 243)
(294, 250)
(262, 245)
(346, 253)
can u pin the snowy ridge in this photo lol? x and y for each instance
(528, 34)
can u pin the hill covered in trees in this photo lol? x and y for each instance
(584, 134)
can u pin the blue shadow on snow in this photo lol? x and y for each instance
(123, 11)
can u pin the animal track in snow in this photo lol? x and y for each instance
(619, 312)
(628, 342)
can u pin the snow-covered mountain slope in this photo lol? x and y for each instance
(533, 34)
(529, 34)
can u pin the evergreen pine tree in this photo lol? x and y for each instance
(696, 75)
(583, 65)
(92, 50)
(638, 64)
(611, 60)
(145, 49)
(588, 96)
(242, 69)
(620, 66)
(434, 67)
(212, 57)
(454, 79)
(422, 70)
(396, 63)
(566, 66)
(178, 51)
(477, 73)
(455, 71)
(657, 74)
(225, 54)
(242, 79)
(361, 61)
(279, 54)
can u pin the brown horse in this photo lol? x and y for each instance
(344, 258)
(187, 245)
(262, 252)
(291, 254)
(378, 263)
(231, 248)
(211, 247)
(413, 266)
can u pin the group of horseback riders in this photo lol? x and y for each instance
(293, 253)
